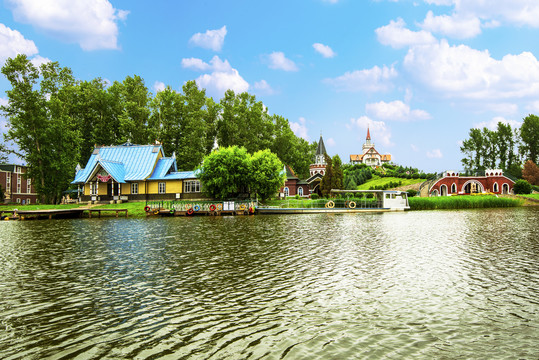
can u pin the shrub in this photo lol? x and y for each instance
(522, 187)
(412, 193)
(314, 196)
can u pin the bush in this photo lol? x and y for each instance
(412, 193)
(522, 187)
(314, 196)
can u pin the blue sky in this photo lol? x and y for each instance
(418, 73)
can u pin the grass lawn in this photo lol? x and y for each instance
(380, 181)
(134, 209)
(533, 196)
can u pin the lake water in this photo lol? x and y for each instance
(425, 284)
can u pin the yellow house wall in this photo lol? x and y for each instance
(171, 187)
(126, 188)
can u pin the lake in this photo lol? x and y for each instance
(423, 284)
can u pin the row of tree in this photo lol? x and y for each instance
(504, 148)
(56, 120)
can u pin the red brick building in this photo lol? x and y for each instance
(453, 184)
(293, 185)
(15, 186)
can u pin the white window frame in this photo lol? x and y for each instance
(286, 191)
(134, 188)
(300, 191)
(8, 183)
(162, 188)
(19, 184)
(93, 189)
(28, 201)
(28, 186)
(191, 186)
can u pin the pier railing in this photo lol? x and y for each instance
(185, 205)
(358, 203)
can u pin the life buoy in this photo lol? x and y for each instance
(156, 212)
(172, 211)
(190, 211)
(197, 207)
(212, 207)
(252, 210)
(147, 208)
(187, 206)
(219, 207)
(347, 203)
(243, 207)
(352, 205)
(330, 204)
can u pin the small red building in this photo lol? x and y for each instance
(494, 181)
(293, 185)
(17, 188)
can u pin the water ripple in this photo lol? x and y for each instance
(441, 284)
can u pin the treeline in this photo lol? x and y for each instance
(56, 120)
(504, 148)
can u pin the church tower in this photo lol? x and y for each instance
(368, 144)
(319, 166)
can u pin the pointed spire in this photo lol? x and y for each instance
(368, 134)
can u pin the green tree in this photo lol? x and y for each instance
(505, 145)
(473, 149)
(529, 134)
(266, 174)
(530, 173)
(40, 114)
(164, 121)
(3, 153)
(225, 173)
(338, 175)
(327, 180)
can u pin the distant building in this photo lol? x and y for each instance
(16, 186)
(293, 185)
(370, 156)
(135, 172)
(318, 169)
(494, 181)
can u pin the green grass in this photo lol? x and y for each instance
(40, 206)
(380, 181)
(533, 196)
(462, 202)
(134, 209)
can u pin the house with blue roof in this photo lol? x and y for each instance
(130, 172)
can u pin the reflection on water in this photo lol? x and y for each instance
(441, 284)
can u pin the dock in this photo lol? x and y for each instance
(61, 213)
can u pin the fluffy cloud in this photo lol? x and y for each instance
(435, 154)
(378, 129)
(300, 129)
(455, 26)
(370, 80)
(330, 142)
(493, 123)
(90, 23)
(211, 39)
(460, 71)
(517, 12)
(398, 36)
(13, 43)
(263, 87)
(223, 77)
(324, 50)
(395, 110)
(158, 86)
(277, 60)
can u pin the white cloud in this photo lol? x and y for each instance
(414, 148)
(195, 64)
(223, 77)
(13, 43)
(398, 36)
(211, 39)
(455, 26)
(300, 129)
(39, 60)
(330, 142)
(395, 110)
(463, 72)
(278, 61)
(493, 123)
(90, 23)
(324, 50)
(434, 154)
(533, 106)
(262, 86)
(159, 86)
(516, 12)
(370, 80)
(378, 129)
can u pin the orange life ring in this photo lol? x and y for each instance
(219, 206)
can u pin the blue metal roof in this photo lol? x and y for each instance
(115, 169)
(138, 161)
(181, 175)
(164, 165)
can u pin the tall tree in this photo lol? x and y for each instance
(505, 145)
(338, 175)
(473, 149)
(529, 134)
(266, 174)
(327, 180)
(40, 114)
(134, 99)
(530, 173)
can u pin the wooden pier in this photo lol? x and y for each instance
(63, 213)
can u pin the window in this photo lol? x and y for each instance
(453, 188)
(162, 188)
(286, 191)
(18, 200)
(8, 183)
(191, 186)
(27, 201)
(300, 191)
(18, 183)
(495, 188)
(28, 186)
(93, 189)
(134, 188)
